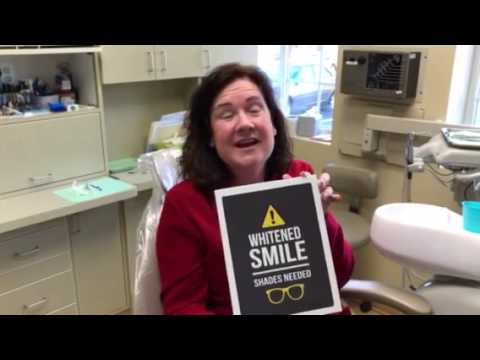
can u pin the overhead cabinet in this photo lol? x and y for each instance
(215, 55)
(136, 63)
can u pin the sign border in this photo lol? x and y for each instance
(306, 179)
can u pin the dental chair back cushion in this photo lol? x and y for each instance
(353, 181)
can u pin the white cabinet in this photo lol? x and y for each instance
(65, 266)
(50, 150)
(36, 270)
(68, 265)
(178, 61)
(128, 63)
(132, 63)
(135, 63)
(98, 258)
(39, 148)
(215, 55)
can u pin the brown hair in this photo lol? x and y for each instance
(200, 162)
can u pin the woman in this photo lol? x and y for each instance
(236, 135)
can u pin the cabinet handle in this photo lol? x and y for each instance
(36, 306)
(151, 62)
(21, 255)
(40, 180)
(208, 57)
(163, 55)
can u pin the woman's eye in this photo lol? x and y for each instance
(226, 114)
(255, 109)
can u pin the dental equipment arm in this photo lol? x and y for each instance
(438, 151)
(409, 158)
(450, 153)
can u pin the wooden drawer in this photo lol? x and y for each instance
(30, 274)
(40, 298)
(33, 247)
(69, 310)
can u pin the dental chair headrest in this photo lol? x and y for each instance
(353, 181)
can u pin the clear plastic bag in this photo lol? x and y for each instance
(163, 166)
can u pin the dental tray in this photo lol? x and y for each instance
(122, 165)
(461, 138)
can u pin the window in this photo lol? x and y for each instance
(303, 78)
(472, 106)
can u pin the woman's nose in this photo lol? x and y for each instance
(244, 121)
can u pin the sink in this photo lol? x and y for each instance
(428, 238)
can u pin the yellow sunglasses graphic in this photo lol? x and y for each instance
(277, 296)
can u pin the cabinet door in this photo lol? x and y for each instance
(215, 55)
(48, 151)
(127, 63)
(98, 261)
(178, 61)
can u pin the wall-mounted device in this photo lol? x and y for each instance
(382, 75)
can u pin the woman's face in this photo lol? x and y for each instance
(243, 133)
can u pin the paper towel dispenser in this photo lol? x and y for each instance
(382, 75)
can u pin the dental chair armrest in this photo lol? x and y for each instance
(407, 302)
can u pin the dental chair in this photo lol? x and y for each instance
(163, 167)
(432, 239)
(356, 184)
(146, 298)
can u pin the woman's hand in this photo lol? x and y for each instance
(327, 194)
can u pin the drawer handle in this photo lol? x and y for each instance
(21, 255)
(209, 60)
(40, 180)
(151, 62)
(36, 306)
(163, 56)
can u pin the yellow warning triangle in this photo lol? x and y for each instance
(272, 219)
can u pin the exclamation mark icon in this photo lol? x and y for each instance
(272, 215)
(272, 218)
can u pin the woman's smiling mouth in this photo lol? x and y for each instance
(245, 143)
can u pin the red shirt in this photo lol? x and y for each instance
(190, 252)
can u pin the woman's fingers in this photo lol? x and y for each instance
(329, 197)
(327, 194)
(324, 182)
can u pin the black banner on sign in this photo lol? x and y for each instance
(276, 249)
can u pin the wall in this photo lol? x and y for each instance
(433, 104)
(131, 108)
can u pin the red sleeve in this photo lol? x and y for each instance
(180, 261)
(342, 252)
(299, 166)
